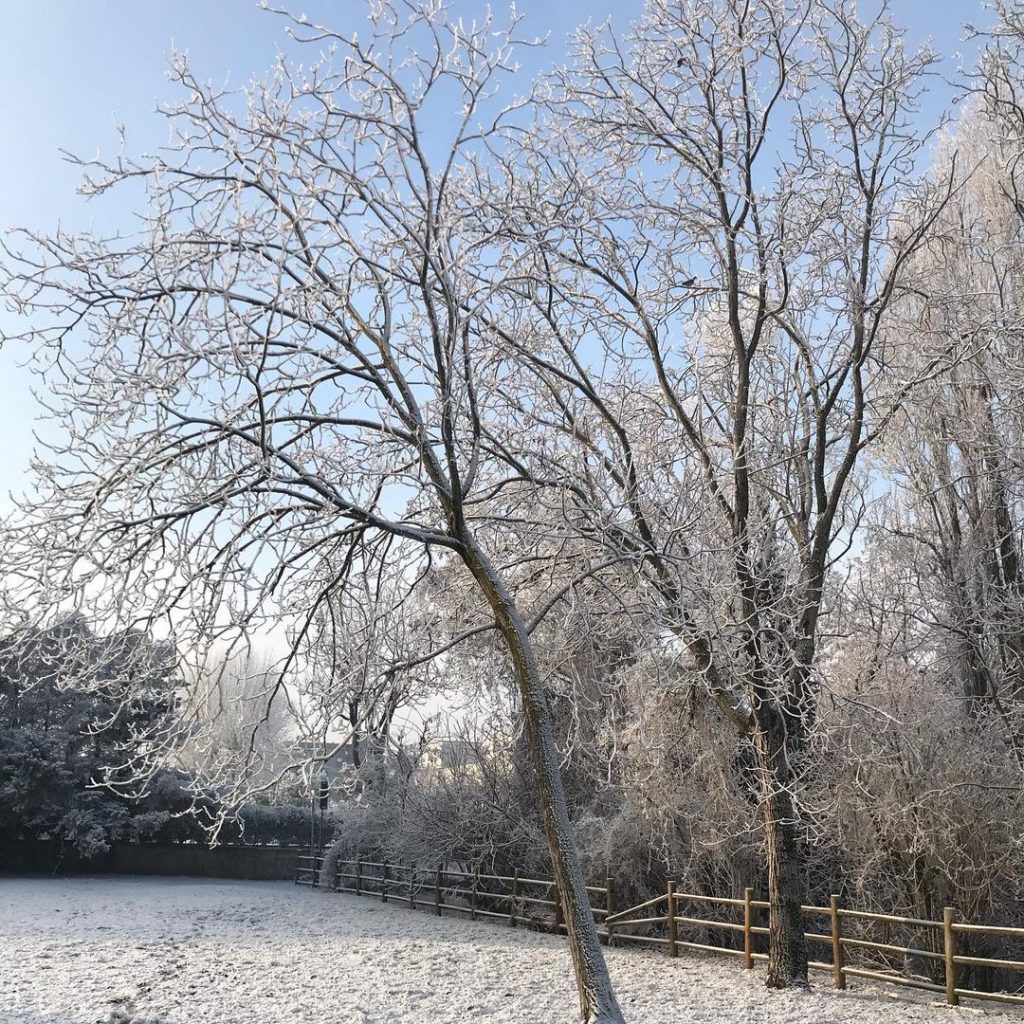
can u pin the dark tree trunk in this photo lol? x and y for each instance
(353, 716)
(787, 948)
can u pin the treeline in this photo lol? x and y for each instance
(74, 708)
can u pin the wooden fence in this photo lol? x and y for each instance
(914, 952)
(515, 898)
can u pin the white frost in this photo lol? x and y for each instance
(180, 951)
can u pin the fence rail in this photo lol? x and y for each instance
(944, 944)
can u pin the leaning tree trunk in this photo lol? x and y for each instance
(597, 999)
(787, 948)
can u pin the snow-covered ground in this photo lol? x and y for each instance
(187, 951)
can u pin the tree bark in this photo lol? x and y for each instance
(354, 720)
(787, 948)
(597, 999)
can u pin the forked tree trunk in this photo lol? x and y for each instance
(787, 948)
(597, 999)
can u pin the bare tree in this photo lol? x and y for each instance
(237, 721)
(283, 379)
(955, 461)
(373, 654)
(721, 252)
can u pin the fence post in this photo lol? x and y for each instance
(609, 908)
(384, 882)
(748, 923)
(952, 999)
(412, 886)
(472, 894)
(437, 892)
(838, 975)
(671, 893)
(512, 902)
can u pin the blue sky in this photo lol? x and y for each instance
(74, 69)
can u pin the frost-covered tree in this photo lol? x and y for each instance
(722, 244)
(74, 706)
(955, 460)
(373, 654)
(285, 378)
(242, 720)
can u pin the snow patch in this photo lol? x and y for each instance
(177, 951)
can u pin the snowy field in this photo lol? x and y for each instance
(185, 951)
